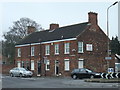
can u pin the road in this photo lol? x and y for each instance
(51, 82)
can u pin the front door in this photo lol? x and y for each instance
(56, 67)
(39, 67)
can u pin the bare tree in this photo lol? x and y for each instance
(17, 32)
(20, 27)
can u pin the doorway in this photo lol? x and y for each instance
(56, 67)
(39, 67)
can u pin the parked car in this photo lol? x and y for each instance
(21, 72)
(84, 73)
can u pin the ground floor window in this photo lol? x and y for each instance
(18, 64)
(47, 64)
(66, 64)
(32, 64)
(80, 63)
(117, 67)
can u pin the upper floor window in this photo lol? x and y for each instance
(47, 50)
(80, 47)
(89, 47)
(19, 52)
(56, 48)
(67, 48)
(32, 50)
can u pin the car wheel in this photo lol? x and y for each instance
(74, 76)
(20, 74)
(11, 75)
(91, 77)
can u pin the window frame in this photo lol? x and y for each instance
(80, 47)
(19, 52)
(47, 49)
(56, 46)
(67, 48)
(66, 64)
(89, 47)
(47, 65)
(32, 51)
(81, 60)
(32, 65)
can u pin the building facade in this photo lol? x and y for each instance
(59, 50)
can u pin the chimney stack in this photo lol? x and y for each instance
(31, 29)
(54, 26)
(92, 18)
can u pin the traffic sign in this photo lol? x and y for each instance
(108, 58)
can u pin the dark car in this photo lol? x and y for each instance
(84, 73)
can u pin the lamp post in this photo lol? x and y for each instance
(108, 30)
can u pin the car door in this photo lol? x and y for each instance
(82, 73)
(88, 73)
(85, 74)
(14, 71)
(17, 72)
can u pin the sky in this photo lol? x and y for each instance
(62, 13)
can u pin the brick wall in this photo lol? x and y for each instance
(6, 68)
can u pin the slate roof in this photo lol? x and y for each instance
(66, 32)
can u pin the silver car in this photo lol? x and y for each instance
(21, 72)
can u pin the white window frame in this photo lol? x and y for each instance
(56, 49)
(32, 65)
(32, 51)
(80, 47)
(47, 49)
(47, 65)
(66, 64)
(79, 63)
(18, 64)
(89, 47)
(67, 48)
(19, 52)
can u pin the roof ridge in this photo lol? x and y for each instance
(62, 27)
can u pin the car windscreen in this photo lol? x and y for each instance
(22, 69)
(88, 70)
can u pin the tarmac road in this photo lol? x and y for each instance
(51, 82)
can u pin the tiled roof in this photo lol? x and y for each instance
(66, 32)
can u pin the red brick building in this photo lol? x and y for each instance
(59, 50)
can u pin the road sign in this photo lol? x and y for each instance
(108, 58)
(110, 70)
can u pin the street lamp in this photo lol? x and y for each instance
(108, 28)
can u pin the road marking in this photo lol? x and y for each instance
(28, 78)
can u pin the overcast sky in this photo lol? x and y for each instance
(62, 13)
